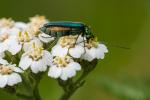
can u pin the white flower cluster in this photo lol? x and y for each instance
(26, 39)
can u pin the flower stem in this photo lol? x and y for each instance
(29, 89)
(37, 94)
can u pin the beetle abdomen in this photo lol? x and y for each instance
(63, 28)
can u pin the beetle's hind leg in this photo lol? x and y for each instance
(53, 43)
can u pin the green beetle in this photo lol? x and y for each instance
(63, 28)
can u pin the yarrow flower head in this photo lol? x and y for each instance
(63, 68)
(9, 74)
(37, 58)
(68, 44)
(8, 41)
(94, 50)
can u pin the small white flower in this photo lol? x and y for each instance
(23, 40)
(94, 50)
(68, 44)
(36, 58)
(8, 41)
(28, 45)
(9, 74)
(63, 68)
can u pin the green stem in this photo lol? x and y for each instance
(10, 57)
(24, 97)
(29, 90)
(37, 94)
(72, 88)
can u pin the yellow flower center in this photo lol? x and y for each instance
(35, 24)
(34, 30)
(38, 20)
(36, 52)
(62, 61)
(92, 43)
(5, 70)
(6, 23)
(23, 37)
(3, 37)
(68, 41)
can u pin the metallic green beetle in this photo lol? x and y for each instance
(63, 28)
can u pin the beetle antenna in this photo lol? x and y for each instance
(116, 46)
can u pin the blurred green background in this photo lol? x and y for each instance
(123, 74)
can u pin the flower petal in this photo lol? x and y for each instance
(34, 67)
(17, 69)
(87, 56)
(14, 46)
(103, 48)
(20, 25)
(77, 51)
(57, 50)
(92, 52)
(54, 71)
(45, 38)
(3, 80)
(67, 72)
(13, 31)
(28, 45)
(41, 65)
(4, 62)
(99, 54)
(3, 47)
(47, 58)
(13, 79)
(25, 62)
(75, 65)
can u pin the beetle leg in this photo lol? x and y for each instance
(46, 37)
(52, 44)
(84, 45)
